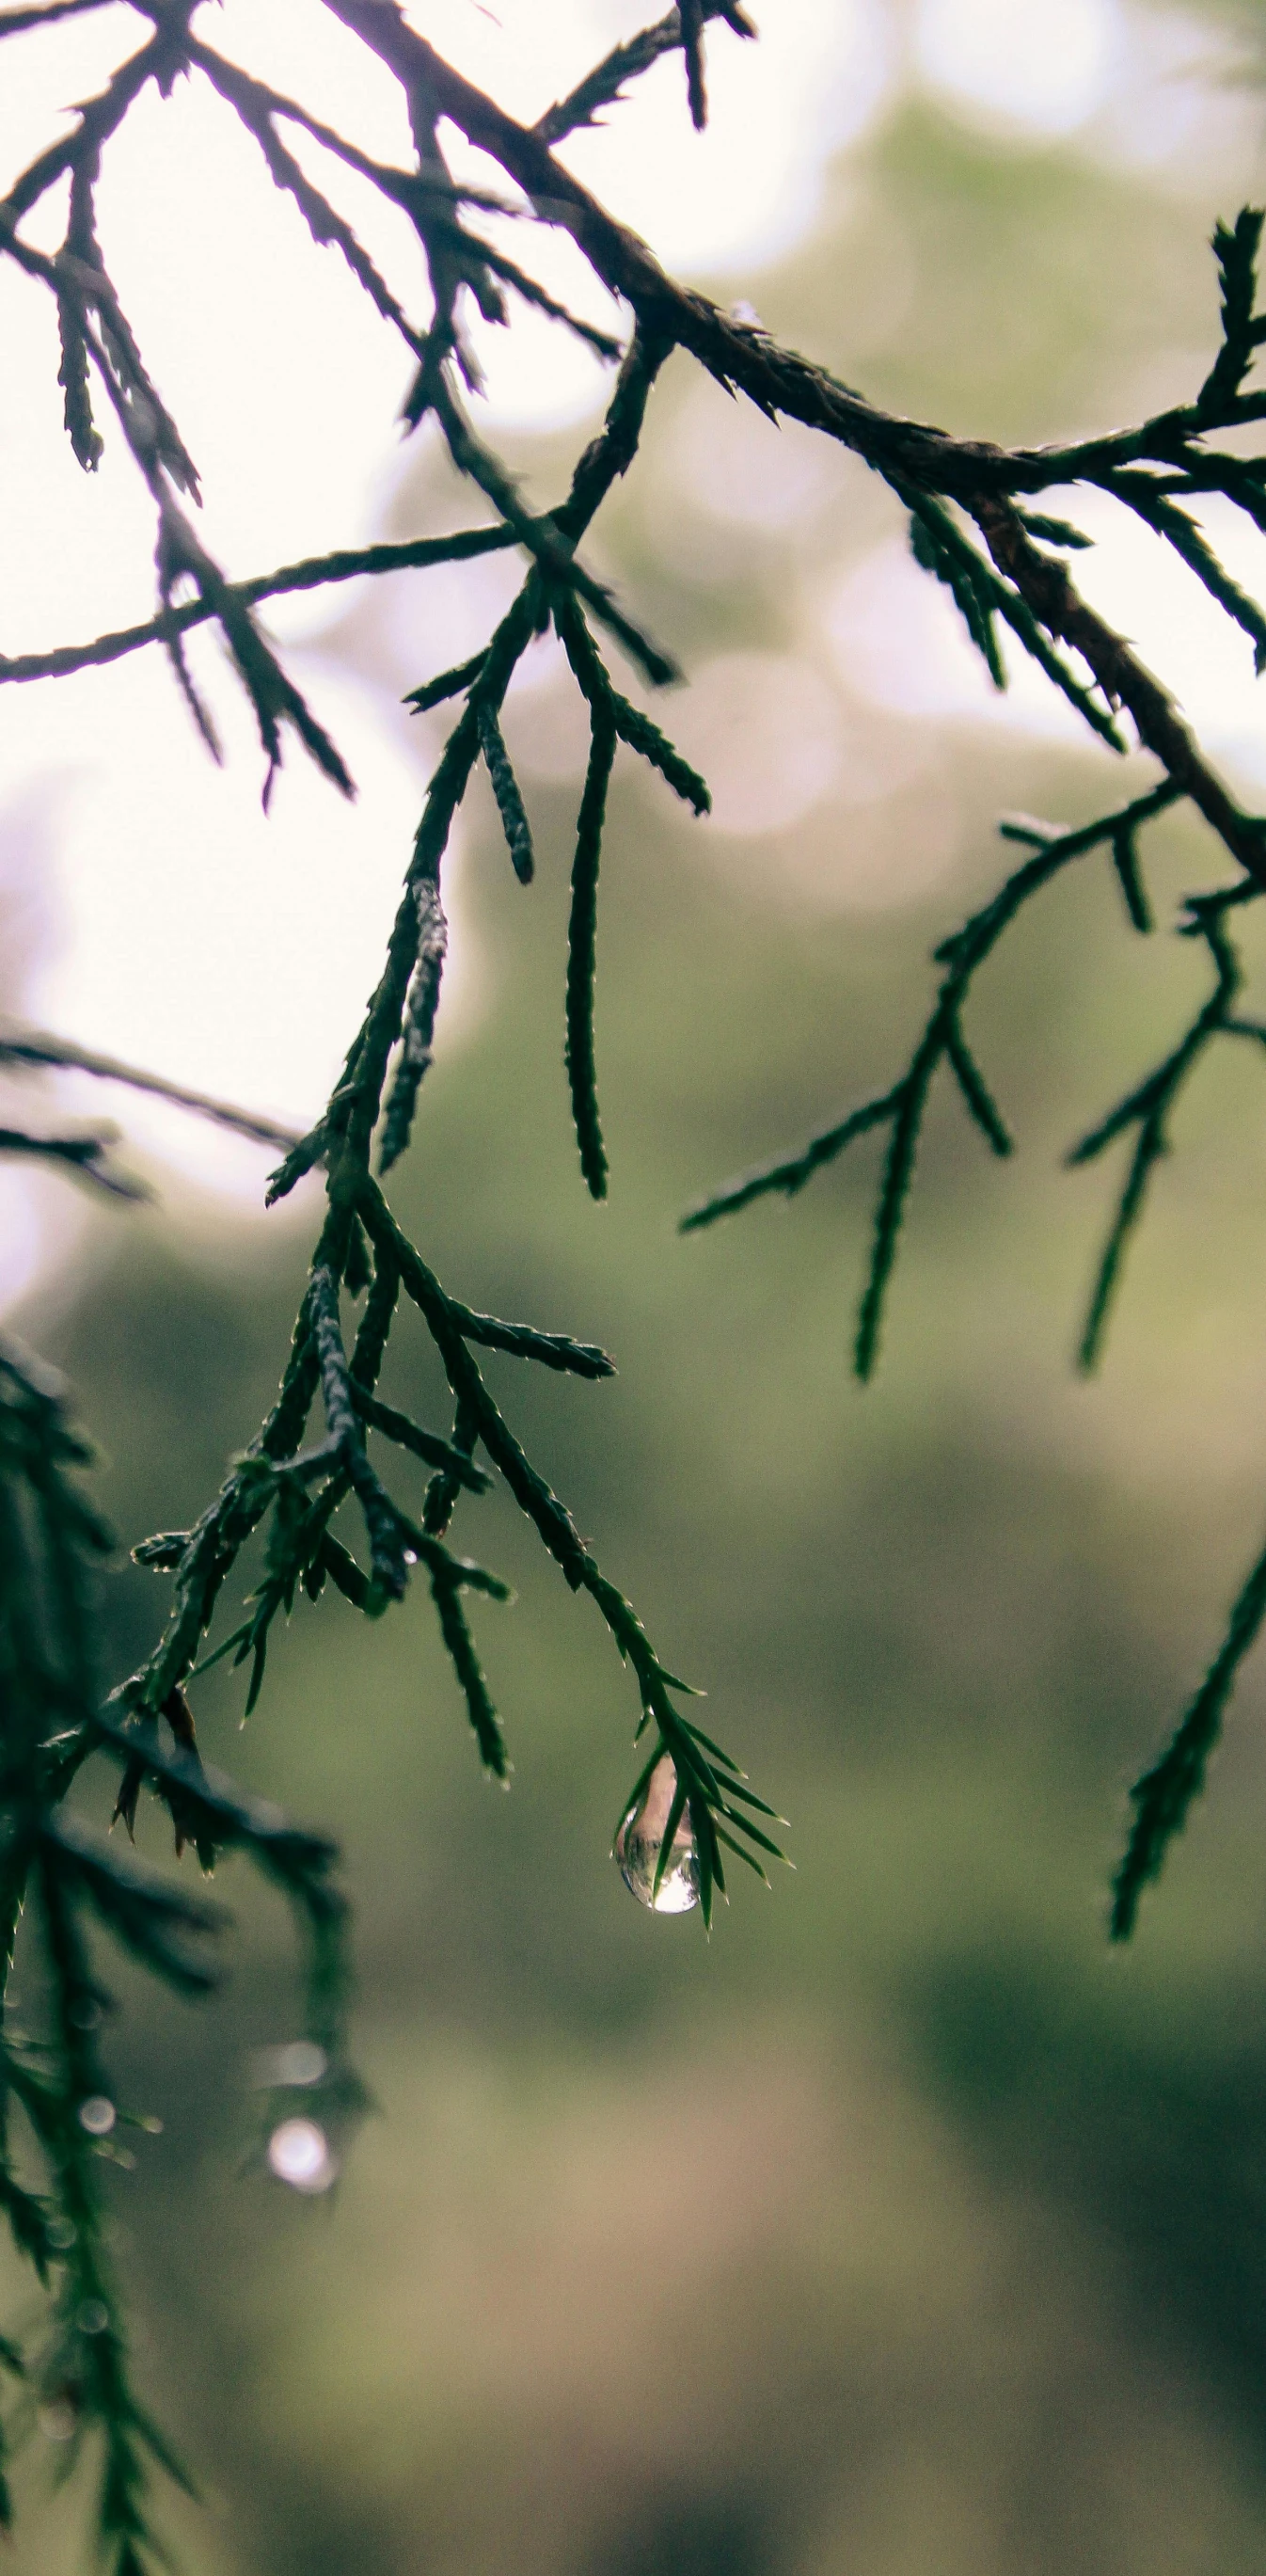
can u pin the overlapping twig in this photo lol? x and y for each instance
(901, 1108)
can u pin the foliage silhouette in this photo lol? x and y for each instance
(977, 526)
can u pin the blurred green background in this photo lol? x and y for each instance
(901, 2229)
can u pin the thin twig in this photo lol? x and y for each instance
(347, 564)
(32, 1047)
(603, 86)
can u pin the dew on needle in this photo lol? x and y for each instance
(299, 2154)
(640, 1840)
(58, 2418)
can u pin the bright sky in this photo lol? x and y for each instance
(234, 953)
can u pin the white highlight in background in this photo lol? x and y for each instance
(1042, 68)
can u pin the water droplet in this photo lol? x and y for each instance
(151, 2124)
(298, 2061)
(97, 2115)
(299, 2154)
(58, 2418)
(301, 2063)
(638, 1841)
(86, 2012)
(94, 2317)
(60, 2233)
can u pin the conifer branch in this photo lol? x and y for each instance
(978, 527)
(582, 940)
(86, 1155)
(33, 1048)
(348, 563)
(50, 1541)
(1150, 1107)
(902, 1107)
(1163, 1797)
(604, 85)
(20, 22)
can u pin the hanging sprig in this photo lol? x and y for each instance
(582, 945)
(939, 545)
(611, 719)
(54, 2085)
(1125, 859)
(901, 1109)
(1150, 1107)
(606, 82)
(1184, 534)
(1163, 1797)
(505, 788)
(1235, 250)
(75, 373)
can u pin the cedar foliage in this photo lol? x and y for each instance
(978, 525)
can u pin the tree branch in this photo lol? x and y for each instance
(1123, 678)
